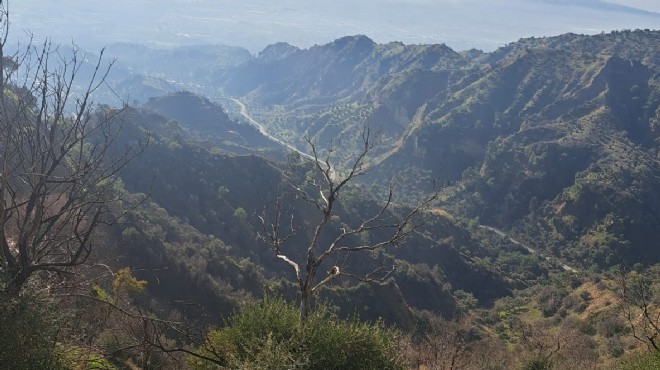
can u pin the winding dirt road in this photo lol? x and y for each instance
(529, 249)
(244, 112)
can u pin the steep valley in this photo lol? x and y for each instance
(552, 139)
(500, 204)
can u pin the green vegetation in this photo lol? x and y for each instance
(641, 361)
(30, 327)
(269, 335)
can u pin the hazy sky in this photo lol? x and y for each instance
(650, 5)
(462, 24)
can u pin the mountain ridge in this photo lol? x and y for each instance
(566, 95)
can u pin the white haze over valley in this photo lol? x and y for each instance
(461, 24)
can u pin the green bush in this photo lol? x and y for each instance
(641, 361)
(543, 364)
(28, 334)
(268, 335)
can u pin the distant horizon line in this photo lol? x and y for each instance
(167, 46)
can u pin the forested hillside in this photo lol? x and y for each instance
(553, 138)
(443, 209)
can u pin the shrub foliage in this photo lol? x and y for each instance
(269, 335)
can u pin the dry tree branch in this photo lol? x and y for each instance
(639, 309)
(59, 158)
(328, 183)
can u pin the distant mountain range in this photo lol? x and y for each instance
(556, 138)
(521, 133)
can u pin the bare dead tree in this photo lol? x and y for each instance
(322, 190)
(123, 330)
(446, 345)
(59, 158)
(640, 306)
(541, 344)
